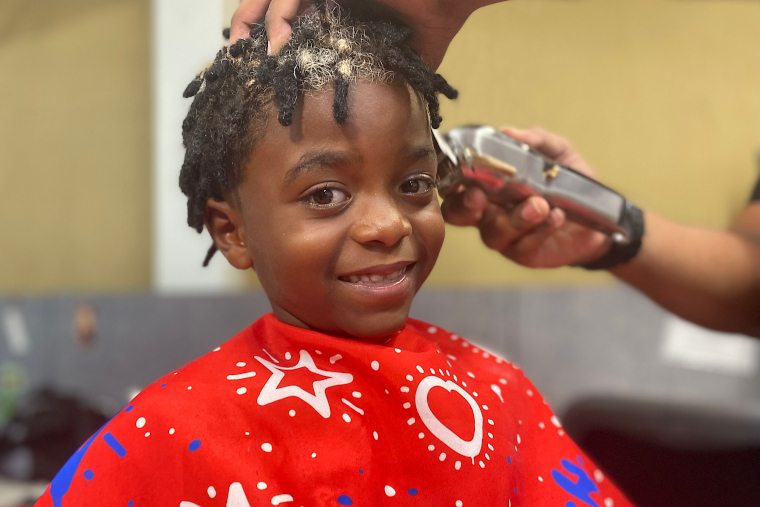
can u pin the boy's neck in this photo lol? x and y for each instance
(287, 318)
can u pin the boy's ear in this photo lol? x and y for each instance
(225, 224)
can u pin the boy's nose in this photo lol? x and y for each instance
(381, 220)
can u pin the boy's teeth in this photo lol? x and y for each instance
(369, 279)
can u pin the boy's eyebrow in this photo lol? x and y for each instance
(419, 152)
(313, 160)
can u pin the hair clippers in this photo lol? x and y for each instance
(509, 171)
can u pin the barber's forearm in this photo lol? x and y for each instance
(709, 277)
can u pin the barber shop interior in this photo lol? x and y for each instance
(322, 253)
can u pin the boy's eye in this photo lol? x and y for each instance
(326, 196)
(418, 185)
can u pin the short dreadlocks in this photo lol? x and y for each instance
(328, 46)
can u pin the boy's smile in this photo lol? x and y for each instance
(340, 222)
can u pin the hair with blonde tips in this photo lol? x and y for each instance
(328, 46)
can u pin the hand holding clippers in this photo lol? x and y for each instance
(509, 171)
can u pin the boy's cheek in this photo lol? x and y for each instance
(295, 257)
(435, 231)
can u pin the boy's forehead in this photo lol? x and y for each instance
(384, 120)
(374, 109)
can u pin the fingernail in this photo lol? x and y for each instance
(269, 48)
(468, 200)
(531, 213)
(554, 216)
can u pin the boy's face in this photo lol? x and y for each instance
(340, 222)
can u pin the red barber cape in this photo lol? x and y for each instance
(286, 416)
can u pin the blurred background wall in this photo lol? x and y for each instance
(74, 145)
(661, 97)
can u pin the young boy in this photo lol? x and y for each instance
(336, 398)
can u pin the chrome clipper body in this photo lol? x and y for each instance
(509, 171)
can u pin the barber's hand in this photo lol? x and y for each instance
(435, 22)
(532, 233)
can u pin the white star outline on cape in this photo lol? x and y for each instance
(318, 401)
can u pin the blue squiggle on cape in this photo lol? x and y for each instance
(115, 445)
(582, 488)
(61, 483)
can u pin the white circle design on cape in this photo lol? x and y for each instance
(469, 448)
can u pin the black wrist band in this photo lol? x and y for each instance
(621, 253)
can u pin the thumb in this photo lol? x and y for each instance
(277, 23)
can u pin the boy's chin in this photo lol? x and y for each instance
(375, 328)
(368, 326)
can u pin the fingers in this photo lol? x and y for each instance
(277, 23)
(500, 228)
(277, 16)
(532, 234)
(247, 13)
(464, 208)
(525, 249)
